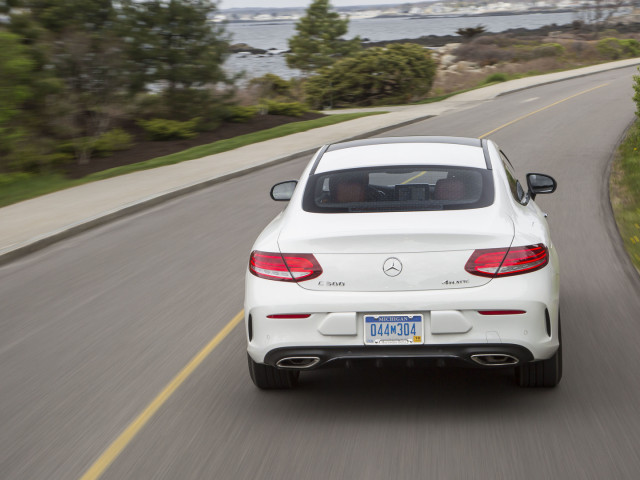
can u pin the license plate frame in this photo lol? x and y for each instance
(386, 329)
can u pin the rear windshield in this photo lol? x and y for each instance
(399, 189)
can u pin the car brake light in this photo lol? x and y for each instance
(289, 315)
(502, 262)
(501, 312)
(285, 267)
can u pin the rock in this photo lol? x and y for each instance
(244, 48)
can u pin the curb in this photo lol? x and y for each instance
(15, 252)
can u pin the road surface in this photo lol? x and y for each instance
(93, 328)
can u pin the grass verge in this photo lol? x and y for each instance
(624, 188)
(24, 187)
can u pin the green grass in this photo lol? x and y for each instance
(24, 187)
(625, 192)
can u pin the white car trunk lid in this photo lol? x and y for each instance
(395, 252)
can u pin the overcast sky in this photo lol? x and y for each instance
(299, 3)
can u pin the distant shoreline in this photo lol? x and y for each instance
(421, 17)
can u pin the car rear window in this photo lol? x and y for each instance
(399, 189)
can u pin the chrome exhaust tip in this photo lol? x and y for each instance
(494, 359)
(297, 363)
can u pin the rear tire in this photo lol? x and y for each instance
(267, 377)
(543, 373)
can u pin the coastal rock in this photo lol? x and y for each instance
(244, 48)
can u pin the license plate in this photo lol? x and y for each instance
(393, 329)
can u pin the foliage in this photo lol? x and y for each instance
(318, 42)
(103, 146)
(396, 73)
(271, 86)
(496, 77)
(161, 129)
(616, 48)
(292, 109)
(16, 68)
(240, 114)
(29, 186)
(173, 43)
(625, 190)
(548, 50)
(470, 32)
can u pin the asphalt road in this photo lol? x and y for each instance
(93, 328)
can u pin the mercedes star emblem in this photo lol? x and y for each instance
(392, 267)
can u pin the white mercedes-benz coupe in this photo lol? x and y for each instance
(405, 251)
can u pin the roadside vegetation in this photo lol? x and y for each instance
(96, 88)
(625, 186)
(18, 186)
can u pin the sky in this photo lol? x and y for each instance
(300, 3)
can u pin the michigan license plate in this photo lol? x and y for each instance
(393, 329)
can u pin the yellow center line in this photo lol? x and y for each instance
(541, 109)
(120, 443)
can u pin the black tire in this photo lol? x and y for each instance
(544, 373)
(267, 377)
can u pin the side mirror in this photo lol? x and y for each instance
(540, 183)
(282, 192)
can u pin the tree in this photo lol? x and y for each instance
(392, 74)
(470, 32)
(318, 42)
(16, 67)
(172, 45)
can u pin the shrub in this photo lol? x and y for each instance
(375, 76)
(616, 48)
(548, 50)
(103, 146)
(270, 86)
(483, 54)
(495, 77)
(162, 129)
(240, 114)
(112, 141)
(291, 109)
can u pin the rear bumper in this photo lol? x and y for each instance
(471, 354)
(535, 293)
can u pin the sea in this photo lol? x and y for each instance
(273, 36)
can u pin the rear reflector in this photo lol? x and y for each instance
(285, 267)
(290, 315)
(502, 262)
(501, 312)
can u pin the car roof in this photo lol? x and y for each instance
(391, 151)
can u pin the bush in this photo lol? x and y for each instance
(291, 109)
(495, 77)
(162, 129)
(240, 114)
(483, 54)
(103, 146)
(270, 86)
(112, 141)
(617, 48)
(396, 73)
(548, 50)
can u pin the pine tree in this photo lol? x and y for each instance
(318, 42)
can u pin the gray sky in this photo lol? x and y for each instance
(300, 3)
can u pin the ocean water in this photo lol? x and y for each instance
(267, 35)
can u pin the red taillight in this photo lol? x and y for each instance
(501, 312)
(289, 315)
(502, 262)
(285, 267)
